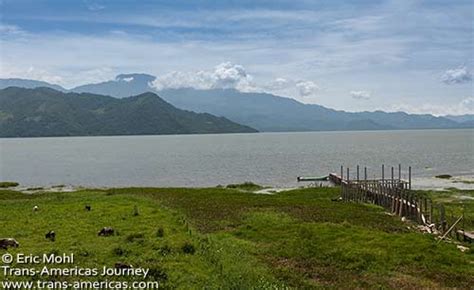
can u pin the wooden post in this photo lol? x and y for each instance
(442, 218)
(394, 201)
(431, 212)
(383, 172)
(403, 200)
(392, 175)
(365, 173)
(410, 207)
(399, 172)
(347, 177)
(425, 207)
(409, 177)
(357, 173)
(398, 206)
(419, 211)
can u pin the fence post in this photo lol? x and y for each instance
(409, 177)
(442, 218)
(431, 212)
(383, 172)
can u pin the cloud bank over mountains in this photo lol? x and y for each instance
(403, 52)
(224, 76)
(228, 75)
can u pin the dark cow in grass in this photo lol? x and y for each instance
(51, 235)
(106, 231)
(8, 243)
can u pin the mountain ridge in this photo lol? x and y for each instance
(268, 112)
(43, 112)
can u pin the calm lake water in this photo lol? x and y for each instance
(273, 159)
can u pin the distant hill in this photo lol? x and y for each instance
(124, 85)
(461, 118)
(268, 112)
(29, 84)
(47, 112)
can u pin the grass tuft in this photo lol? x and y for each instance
(247, 186)
(6, 184)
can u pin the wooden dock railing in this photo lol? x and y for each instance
(397, 197)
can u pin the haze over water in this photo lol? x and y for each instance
(273, 159)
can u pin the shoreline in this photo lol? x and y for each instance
(427, 184)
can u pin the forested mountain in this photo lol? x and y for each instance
(47, 112)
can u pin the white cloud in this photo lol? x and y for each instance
(360, 95)
(278, 84)
(8, 30)
(457, 76)
(224, 76)
(127, 79)
(30, 73)
(233, 76)
(307, 88)
(227, 75)
(93, 5)
(465, 106)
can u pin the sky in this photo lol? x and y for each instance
(410, 55)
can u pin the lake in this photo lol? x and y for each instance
(273, 159)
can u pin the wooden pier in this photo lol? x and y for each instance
(396, 196)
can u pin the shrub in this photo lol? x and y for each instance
(245, 186)
(118, 251)
(165, 250)
(158, 274)
(188, 248)
(6, 184)
(160, 233)
(135, 211)
(443, 176)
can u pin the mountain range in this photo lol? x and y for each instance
(262, 111)
(48, 112)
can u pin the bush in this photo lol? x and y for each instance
(135, 211)
(160, 233)
(6, 184)
(443, 176)
(188, 248)
(118, 251)
(165, 250)
(245, 186)
(158, 274)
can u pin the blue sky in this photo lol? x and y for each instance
(415, 56)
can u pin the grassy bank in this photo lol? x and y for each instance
(231, 238)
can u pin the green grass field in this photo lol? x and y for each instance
(228, 238)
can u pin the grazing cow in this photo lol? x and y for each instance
(51, 235)
(120, 265)
(88, 208)
(106, 231)
(35, 208)
(9, 242)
